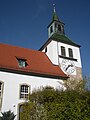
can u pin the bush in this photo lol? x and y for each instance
(51, 104)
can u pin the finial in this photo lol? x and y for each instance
(54, 8)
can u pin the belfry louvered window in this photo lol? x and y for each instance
(59, 27)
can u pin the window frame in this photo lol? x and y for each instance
(0, 89)
(1, 93)
(23, 92)
(22, 62)
(70, 52)
(63, 51)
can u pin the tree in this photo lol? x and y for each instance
(7, 115)
(50, 104)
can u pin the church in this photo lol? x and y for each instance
(23, 70)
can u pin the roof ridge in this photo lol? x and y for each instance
(19, 47)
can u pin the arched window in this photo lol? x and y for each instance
(24, 91)
(51, 29)
(70, 51)
(63, 52)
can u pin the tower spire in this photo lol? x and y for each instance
(54, 17)
(56, 26)
(54, 9)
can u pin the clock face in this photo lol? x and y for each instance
(68, 66)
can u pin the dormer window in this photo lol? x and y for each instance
(22, 63)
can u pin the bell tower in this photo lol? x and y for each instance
(56, 26)
(61, 50)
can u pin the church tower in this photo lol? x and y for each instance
(61, 50)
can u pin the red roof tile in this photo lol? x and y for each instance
(38, 62)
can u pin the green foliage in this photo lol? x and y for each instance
(7, 116)
(32, 111)
(51, 104)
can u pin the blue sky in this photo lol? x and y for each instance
(24, 23)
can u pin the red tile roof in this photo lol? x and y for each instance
(37, 61)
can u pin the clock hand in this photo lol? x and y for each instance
(68, 67)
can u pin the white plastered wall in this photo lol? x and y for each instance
(12, 84)
(76, 53)
(54, 49)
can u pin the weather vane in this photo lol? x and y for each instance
(54, 8)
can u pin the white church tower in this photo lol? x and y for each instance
(61, 50)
